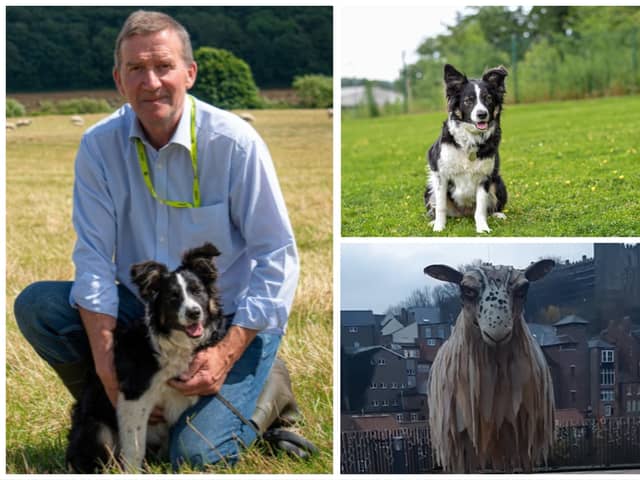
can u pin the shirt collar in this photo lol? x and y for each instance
(182, 135)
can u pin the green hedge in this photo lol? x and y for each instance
(314, 91)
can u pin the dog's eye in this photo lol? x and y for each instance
(468, 101)
(196, 290)
(488, 100)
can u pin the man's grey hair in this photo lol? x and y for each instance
(143, 22)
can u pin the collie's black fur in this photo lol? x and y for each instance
(464, 161)
(183, 315)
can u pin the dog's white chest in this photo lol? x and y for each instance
(464, 172)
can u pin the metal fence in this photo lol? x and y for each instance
(609, 443)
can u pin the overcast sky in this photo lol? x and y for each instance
(374, 37)
(377, 275)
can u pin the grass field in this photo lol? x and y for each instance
(40, 239)
(571, 169)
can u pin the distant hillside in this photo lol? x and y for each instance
(63, 48)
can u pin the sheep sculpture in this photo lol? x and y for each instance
(491, 401)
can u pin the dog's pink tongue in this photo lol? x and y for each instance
(481, 125)
(195, 330)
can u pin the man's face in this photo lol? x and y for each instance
(154, 79)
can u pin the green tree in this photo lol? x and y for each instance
(314, 91)
(224, 80)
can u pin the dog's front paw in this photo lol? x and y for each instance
(499, 215)
(482, 226)
(438, 225)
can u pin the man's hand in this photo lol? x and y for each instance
(209, 368)
(99, 328)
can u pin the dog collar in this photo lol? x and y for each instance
(144, 166)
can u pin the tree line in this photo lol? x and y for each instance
(551, 52)
(65, 48)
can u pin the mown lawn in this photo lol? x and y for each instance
(571, 169)
(40, 239)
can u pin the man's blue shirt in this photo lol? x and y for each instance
(118, 222)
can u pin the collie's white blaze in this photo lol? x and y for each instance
(188, 302)
(479, 107)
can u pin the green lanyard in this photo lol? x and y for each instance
(144, 166)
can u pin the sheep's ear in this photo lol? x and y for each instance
(444, 273)
(537, 270)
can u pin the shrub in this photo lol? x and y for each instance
(82, 105)
(314, 91)
(14, 108)
(224, 80)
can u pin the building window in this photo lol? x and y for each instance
(353, 329)
(440, 332)
(573, 396)
(607, 395)
(373, 385)
(383, 385)
(411, 371)
(431, 342)
(394, 403)
(382, 361)
(607, 376)
(375, 403)
(399, 418)
(394, 385)
(572, 368)
(607, 356)
(427, 332)
(385, 403)
(608, 410)
(414, 417)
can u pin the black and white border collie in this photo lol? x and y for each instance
(183, 315)
(463, 163)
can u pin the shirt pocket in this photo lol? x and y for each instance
(209, 224)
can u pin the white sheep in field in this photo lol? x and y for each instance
(23, 122)
(491, 400)
(247, 117)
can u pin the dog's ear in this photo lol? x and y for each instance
(146, 276)
(453, 79)
(200, 261)
(495, 76)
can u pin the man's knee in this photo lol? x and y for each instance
(29, 306)
(194, 450)
(49, 323)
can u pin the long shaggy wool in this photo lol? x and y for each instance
(490, 407)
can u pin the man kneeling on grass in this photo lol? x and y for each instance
(165, 173)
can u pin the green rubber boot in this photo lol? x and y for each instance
(277, 408)
(73, 375)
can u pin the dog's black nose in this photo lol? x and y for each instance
(482, 114)
(193, 313)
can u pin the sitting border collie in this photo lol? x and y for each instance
(183, 316)
(464, 162)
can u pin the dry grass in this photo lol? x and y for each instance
(40, 239)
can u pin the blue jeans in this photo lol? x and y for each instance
(206, 433)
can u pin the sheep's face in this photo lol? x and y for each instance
(493, 296)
